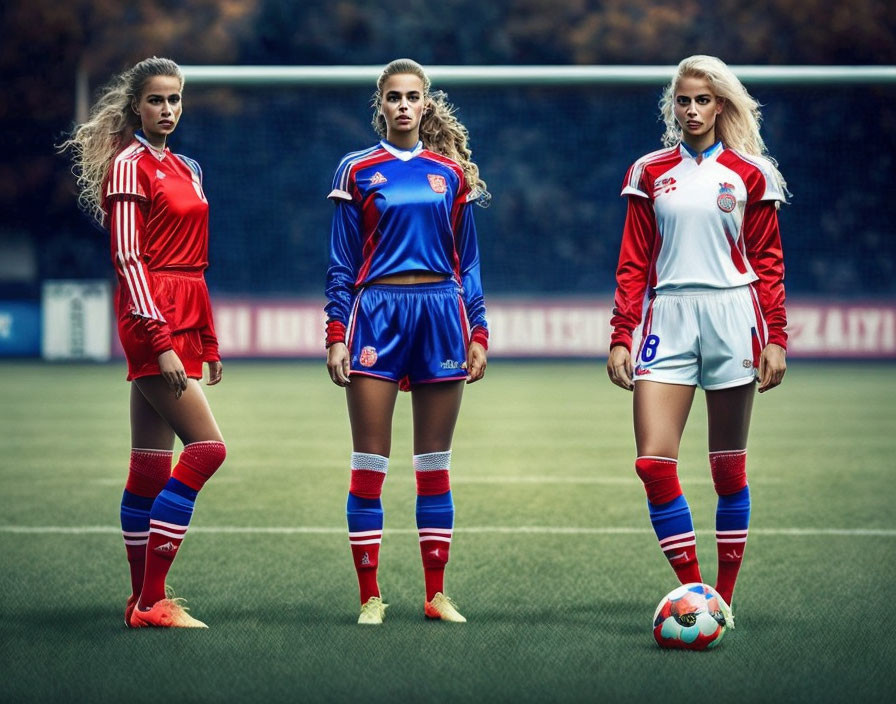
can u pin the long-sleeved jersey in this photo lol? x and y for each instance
(157, 216)
(399, 211)
(707, 220)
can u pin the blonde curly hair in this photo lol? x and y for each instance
(440, 130)
(110, 126)
(737, 126)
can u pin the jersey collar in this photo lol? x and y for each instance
(140, 137)
(403, 154)
(710, 153)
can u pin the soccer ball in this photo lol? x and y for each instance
(692, 616)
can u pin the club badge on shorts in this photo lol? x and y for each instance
(726, 200)
(437, 183)
(368, 356)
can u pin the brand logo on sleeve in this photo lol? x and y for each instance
(437, 183)
(726, 201)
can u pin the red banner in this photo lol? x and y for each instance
(550, 328)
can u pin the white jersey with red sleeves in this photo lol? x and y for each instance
(700, 221)
(157, 216)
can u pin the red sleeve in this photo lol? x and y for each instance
(763, 242)
(635, 261)
(209, 337)
(127, 229)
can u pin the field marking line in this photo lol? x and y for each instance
(504, 481)
(498, 530)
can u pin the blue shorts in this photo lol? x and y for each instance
(412, 334)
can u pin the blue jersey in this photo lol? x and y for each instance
(400, 211)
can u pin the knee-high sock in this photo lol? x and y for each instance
(729, 475)
(148, 471)
(670, 515)
(435, 517)
(171, 512)
(364, 512)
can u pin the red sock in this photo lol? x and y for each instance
(148, 470)
(171, 513)
(435, 517)
(364, 513)
(729, 474)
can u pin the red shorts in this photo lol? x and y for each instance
(183, 301)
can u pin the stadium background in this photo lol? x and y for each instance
(555, 563)
(554, 156)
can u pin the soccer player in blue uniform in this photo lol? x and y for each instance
(405, 310)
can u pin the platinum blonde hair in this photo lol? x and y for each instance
(110, 126)
(440, 130)
(737, 126)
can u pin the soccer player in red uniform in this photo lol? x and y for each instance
(152, 202)
(701, 271)
(406, 310)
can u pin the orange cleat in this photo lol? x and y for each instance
(166, 613)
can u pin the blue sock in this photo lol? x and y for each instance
(733, 511)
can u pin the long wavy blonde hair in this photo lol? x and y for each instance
(440, 130)
(110, 126)
(737, 126)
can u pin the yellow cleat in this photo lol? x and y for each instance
(166, 613)
(373, 612)
(443, 609)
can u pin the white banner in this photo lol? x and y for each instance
(77, 320)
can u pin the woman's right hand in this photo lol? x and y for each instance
(173, 372)
(338, 364)
(619, 367)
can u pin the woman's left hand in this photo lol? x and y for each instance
(215, 372)
(772, 365)
(476, 362)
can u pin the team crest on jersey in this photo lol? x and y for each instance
(377, 179)
(437, 183)
(726, 200)
(663, 185)
(368, 356)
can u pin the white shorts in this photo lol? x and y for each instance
(711, 338)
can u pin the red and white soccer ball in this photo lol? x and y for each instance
(693, 617)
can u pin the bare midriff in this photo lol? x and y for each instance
(409, 277)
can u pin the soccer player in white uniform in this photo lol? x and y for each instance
(700, 277)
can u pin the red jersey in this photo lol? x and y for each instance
(157, 216)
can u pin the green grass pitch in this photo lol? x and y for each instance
(553, 561)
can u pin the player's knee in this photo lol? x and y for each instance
(198, 462)
(729, 471)
(368, 475)
(660, 477)
(431, 473)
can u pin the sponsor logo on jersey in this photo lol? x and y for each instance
(726, 200)
(368, 356)
(450, 364)
(663, 185)
(377, 179)
(437, 183)
(160, 173)
(166, 547)
(640, 371)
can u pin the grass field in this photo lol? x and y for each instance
(553, 561)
